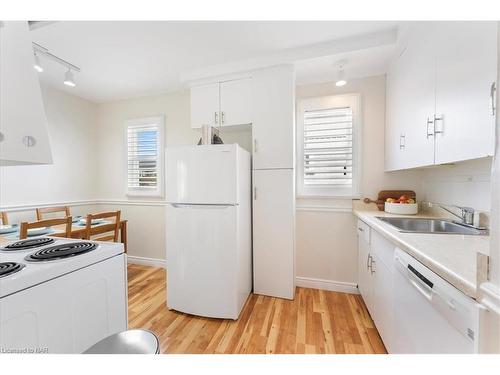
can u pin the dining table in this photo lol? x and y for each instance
(77, 231)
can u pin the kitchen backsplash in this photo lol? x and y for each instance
(463, 184)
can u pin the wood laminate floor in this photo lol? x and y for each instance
(316, 321)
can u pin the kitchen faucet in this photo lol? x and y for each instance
(466, 213)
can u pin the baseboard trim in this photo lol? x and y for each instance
(144, 261)
(330, 285)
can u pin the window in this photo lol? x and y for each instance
(328, 140)
(144, 139)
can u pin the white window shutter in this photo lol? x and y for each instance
(144, 138)
(328, 147)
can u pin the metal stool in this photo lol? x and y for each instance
(134, 341)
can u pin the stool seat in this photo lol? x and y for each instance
(133, 341)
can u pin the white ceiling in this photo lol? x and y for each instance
(124, 59)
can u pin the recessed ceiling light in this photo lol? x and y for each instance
(69, 80)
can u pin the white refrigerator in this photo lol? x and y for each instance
(208, 229)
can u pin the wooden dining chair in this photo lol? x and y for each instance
(48, 210)
(23, 230)
(4, 218)
(107, 231)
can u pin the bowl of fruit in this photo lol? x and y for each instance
(403, 205)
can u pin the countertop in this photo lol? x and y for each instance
(452, 256)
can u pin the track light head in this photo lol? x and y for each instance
(69, 79)
(37, 65)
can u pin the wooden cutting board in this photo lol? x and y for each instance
(384, 194)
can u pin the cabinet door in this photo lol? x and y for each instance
(383, 297)
(274, 233)
(205, 105)
(466, 70)
(22, 113)
(394, 132)
(410, 105)
(235, 102)
(364, 277)
(273, 128)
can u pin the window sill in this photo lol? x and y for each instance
(144, 194)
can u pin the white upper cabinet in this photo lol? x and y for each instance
(225, 103)
(439, 98)
(236, 102)
(410, 102)
(24, 137)
(465, 72)
(273, 127)
(205, 105)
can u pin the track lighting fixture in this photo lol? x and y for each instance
(69, 78)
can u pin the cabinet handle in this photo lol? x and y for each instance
(255, 145)
(216, 115)
(438, 119)
(222, 117)
(255, 193)
(372, 270)
(361, 229)
(402, 141)
(493, 94)
(430, 121)
(29, 141)
(368, 262)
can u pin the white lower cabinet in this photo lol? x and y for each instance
(375, 275)
(365, 284)
(274, 232)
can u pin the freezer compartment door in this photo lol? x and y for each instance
(202, 174)
(201, 260)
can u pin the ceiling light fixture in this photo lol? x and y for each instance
(37, 64)
(69, 78)
(341, 75)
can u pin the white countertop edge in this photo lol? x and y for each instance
(465, 286)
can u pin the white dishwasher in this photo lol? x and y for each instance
(430, 315)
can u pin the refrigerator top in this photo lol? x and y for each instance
(207, 174)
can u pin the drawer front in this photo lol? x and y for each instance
(383, 249)
(363, 231)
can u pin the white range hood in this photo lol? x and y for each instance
(24, 137)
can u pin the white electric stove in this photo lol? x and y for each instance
(60, 295)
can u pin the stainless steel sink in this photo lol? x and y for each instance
(414, 225)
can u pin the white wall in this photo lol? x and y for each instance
(146, 227)
(72, 176)
(326, 238)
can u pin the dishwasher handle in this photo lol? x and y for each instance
(419, 282)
